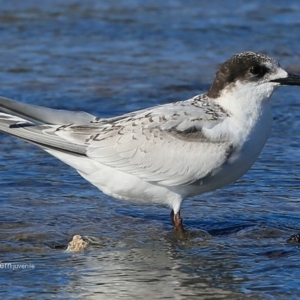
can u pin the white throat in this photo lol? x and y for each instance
(249, 108)
(247, 99)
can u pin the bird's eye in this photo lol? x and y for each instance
(258, 70)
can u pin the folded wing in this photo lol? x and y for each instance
(165, 145)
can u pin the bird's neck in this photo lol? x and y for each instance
(248, 109)
(245, 102)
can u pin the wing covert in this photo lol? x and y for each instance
(150, 143)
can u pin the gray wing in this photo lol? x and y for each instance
(165, 144)
(41, 135)
(43, 115)
(28, 121)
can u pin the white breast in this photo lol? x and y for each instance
(249, 129)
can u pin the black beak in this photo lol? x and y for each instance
(290, 80)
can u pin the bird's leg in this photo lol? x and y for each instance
(176, 221)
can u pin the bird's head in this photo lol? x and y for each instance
(251, 75)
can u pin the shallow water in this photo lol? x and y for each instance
(112, 57)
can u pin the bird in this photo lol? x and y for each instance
(166, 153)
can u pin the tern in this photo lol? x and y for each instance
(166, 153)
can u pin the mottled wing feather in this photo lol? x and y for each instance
(150, 143)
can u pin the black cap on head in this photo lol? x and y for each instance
(243, 66)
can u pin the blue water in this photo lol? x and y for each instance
(112, 57)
